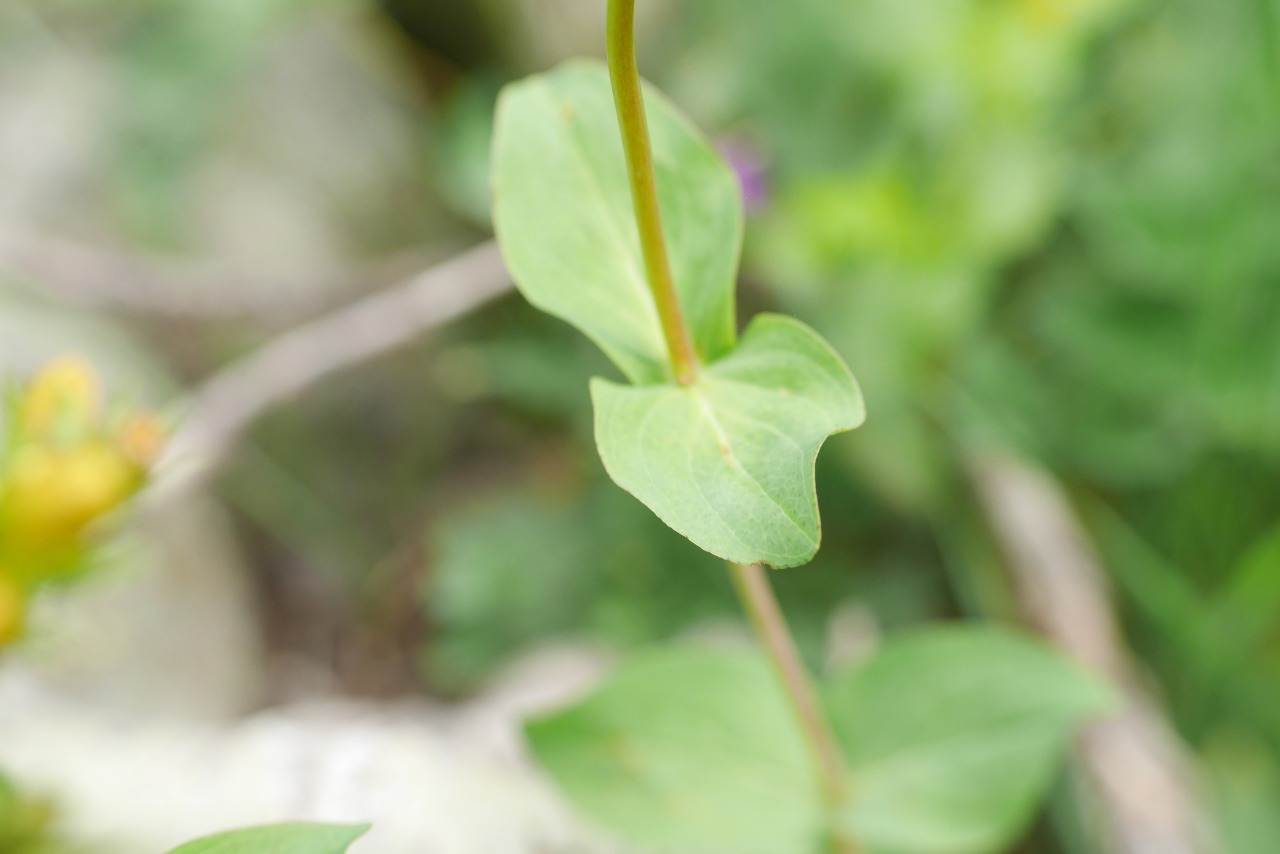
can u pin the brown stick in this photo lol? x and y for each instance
(1139, 772)
(227, 404)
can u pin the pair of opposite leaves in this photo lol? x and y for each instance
(727, 461)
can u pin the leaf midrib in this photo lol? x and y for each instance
(708, 411)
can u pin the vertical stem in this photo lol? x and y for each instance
(752, 583)
(629, 100)
(771, 628)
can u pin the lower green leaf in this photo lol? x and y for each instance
(953, 737)
(728, 461)
(688, 750)
(298, 838)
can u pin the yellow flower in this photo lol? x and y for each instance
(64, 468)
(63, 402)
(52, 495)
(68, 466)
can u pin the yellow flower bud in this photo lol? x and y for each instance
(52, 495)
(63, 401)
(12, 610)
(66, 468)
(141, 438)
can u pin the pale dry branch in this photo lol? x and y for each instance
(225, 406)
(1139, 771)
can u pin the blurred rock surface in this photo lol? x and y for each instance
(431, 779)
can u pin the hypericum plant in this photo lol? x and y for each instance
(615, 215)
(65, 465)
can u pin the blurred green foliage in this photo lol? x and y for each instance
(952, 735)
(26, 824)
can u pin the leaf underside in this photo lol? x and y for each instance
(729, 460)
(687, 750)
(953, 738)
(564, 217)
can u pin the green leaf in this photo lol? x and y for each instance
(564, 216)
(279, 839)
(728, 461)
(953, 736)
(689, 750)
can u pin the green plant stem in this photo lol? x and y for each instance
(751, 581)
(770, 624)
(629, 100)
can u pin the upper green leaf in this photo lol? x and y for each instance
(689, 750)
(563, 213)
(953, 737)
(728, 461)
(279, 839)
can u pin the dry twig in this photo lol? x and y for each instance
(223, 408)
(1138, 769)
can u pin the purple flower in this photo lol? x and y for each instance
(752, 170)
